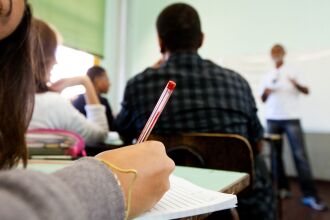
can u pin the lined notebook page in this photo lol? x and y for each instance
(186, 199)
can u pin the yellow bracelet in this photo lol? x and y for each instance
(132, 171)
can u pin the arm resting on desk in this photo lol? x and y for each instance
(85, 190)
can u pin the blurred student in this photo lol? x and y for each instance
(208, 98)
(101, 83)
(51, 110)
(281, 90)
(88, 189)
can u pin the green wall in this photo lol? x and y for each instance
(80, 22)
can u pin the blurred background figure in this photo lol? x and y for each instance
(101, 83)
(281, 89)
(51, 110)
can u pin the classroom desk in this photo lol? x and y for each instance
(218, 180)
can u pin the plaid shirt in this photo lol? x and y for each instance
(207, 98)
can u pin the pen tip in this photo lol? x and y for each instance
(171, 85)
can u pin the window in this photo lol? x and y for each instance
(70, 63)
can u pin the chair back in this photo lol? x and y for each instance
(210, 150)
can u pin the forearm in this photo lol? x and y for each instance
(302, 89)
(264, 97)
(31, 195)
(97, 129)
(90, 94)
(96, 188)
(85, 190)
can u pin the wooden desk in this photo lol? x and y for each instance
(218, 180)
(272, 137)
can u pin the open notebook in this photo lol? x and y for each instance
(186, 199)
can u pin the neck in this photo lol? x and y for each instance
(166, 55)
(279, 64)
(97, 91)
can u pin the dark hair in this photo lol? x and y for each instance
(16, 79)
(179, 28)
(44, 53)
(94, 72)
(278, 46)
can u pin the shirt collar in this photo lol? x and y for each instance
(181, 56)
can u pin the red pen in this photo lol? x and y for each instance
(157, 111)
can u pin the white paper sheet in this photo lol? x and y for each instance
(186, 199)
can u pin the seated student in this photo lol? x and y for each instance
(101, 84)
(51, 110)
(88, 189)
(207, 98)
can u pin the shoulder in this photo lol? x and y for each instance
(51, 99)
(140, 79)
(80, 99)
(234, 77)
(50, 96)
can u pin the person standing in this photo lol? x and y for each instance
(281, 90)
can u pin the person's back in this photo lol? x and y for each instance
(208, 98)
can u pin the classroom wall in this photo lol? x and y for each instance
(238, 35)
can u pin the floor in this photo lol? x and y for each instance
(294, 210)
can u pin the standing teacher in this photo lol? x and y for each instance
(281, 90)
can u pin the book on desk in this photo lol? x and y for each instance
(187, 199)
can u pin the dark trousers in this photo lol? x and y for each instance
(293, 130)
(259, 203)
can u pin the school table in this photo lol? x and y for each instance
(218, 180)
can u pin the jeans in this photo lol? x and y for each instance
(293, 130)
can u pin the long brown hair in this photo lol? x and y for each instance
(16, 93)
(44, 53)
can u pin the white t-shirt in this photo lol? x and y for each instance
(283, 102)
(52, 111)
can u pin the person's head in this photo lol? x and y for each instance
(99, 78)
(45, 53)
(277, 53)
(16, 80)
(11, 14)
(179, 29)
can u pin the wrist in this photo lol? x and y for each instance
(83, 80)
(124, 180)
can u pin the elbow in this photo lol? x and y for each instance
(97, 138)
